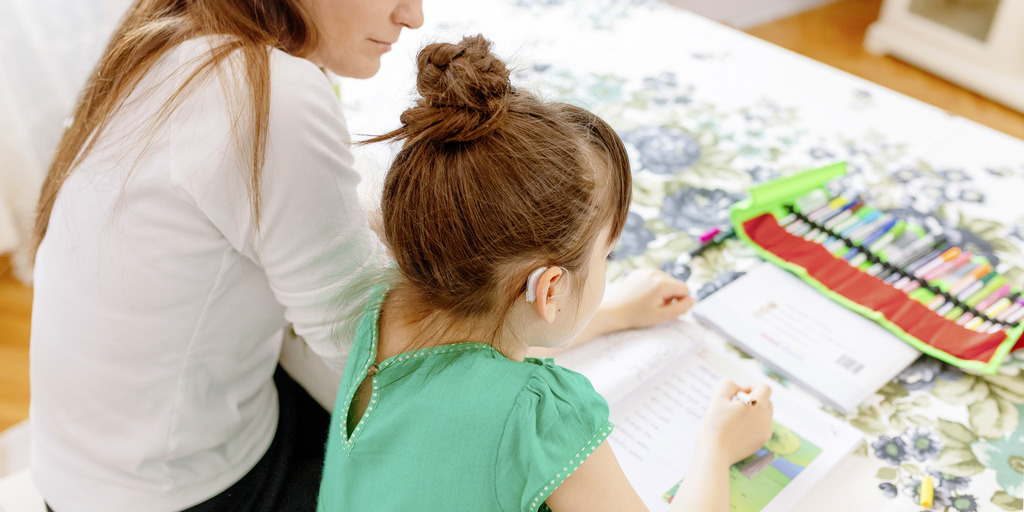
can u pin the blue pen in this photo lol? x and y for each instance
(845, 228)
(870, 239)
(855, 232)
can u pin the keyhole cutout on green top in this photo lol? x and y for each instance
(360, 401)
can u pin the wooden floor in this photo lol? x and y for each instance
(831, 34)
(15, 308)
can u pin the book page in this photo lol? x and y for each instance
(619, 362)
(658, 411)
(835, 353)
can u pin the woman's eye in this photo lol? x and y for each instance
(611, 256)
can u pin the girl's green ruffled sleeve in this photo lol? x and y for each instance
(556, 423)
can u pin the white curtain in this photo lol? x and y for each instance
(47, 48)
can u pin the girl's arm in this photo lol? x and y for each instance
(598, 484)
(645, 297)
(730, 432)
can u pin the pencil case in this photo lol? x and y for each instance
(758, 221)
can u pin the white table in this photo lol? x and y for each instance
(706, 112)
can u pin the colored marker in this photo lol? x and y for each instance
(887, 238)
(828, 217)
(951, 311)
(833, 207)
(899, 246)
(953, 277)
(994, 284)
(1014, 318)
(984, 304)
(823, 209)
(841, 222)
(870, 239)
(973, 276)
(805, 204)
(840, 216)
(711, 238)
(854, 234)
(995, 309)
(903, 255)
(914, 264)
(949, 255)
(1012, 309)
(848, 226)
(745, 398)
(927, 492)
(947, 267)
(939, 271)
(914, 258)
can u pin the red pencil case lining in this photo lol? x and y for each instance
(837, 275)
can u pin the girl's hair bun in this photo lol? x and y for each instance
(465, 91)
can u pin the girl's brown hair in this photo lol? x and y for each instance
(148, 30)
(491, 183)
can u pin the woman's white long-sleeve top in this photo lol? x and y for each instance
(158, 304)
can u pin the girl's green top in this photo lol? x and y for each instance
(456, 427)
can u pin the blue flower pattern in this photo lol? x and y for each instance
(663, 150)
(635, 237)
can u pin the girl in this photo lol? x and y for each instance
(501, 211)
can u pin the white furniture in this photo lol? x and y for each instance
(17, 492)
(978, 44)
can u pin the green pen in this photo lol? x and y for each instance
(993, 283)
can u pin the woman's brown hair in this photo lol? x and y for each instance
(148, 30)
(491, 183)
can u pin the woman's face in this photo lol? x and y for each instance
(356, 33)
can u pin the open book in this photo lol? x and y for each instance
(658, 383)
(834, 353)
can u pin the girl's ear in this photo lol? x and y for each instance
(543, 301)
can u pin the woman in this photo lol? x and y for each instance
(201, 197)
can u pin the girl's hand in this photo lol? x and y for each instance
(733, 430)
(646, 297)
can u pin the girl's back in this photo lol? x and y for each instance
(456, 427)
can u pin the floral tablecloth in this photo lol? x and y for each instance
(706, 112)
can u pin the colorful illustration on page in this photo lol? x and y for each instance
(754, 481)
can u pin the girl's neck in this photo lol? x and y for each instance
(402, 331)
